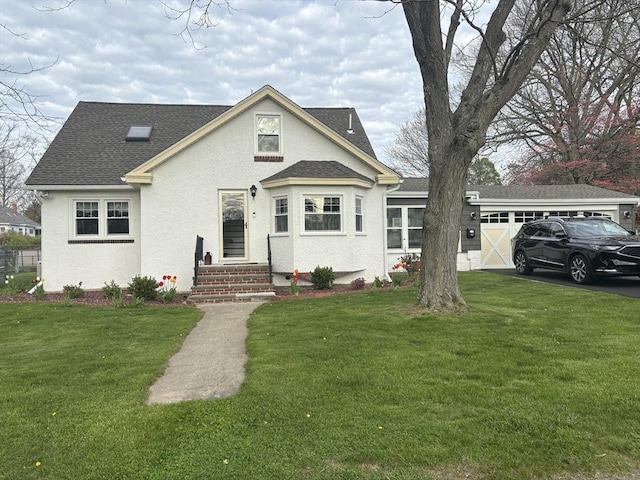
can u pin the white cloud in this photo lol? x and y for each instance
(318, 53)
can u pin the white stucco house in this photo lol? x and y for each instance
(128, 188)
(153, 190)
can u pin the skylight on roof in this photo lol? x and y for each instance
(139, 133)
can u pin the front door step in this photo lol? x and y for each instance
(241, 282)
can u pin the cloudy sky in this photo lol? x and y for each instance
(322, 53)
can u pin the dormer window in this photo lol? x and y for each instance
(139, 133)
(268, 134)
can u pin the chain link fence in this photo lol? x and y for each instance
(16, 260)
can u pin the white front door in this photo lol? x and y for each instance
(233, 225)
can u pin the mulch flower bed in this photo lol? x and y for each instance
(96, 298)
(90, 298)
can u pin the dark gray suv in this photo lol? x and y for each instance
(584, 247)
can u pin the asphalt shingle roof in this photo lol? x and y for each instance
(7, 217)
(317, 169)
(90, 148)
(542, 192)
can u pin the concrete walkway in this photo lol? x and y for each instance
(210, 363)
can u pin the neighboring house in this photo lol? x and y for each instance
(493, 214)
(12, 221)
(128, 188)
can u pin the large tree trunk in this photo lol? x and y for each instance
(438, 275)
(456, 136)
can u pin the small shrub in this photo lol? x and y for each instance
(322, 278)
(144, 288)
(397, 278)
(137, 302)
(66, 301)
(73, 291)
(111, 290)
(39, 293)
(358, 283)
(377, 283)
(118, 302)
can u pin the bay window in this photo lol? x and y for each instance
(322, 214)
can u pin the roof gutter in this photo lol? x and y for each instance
(46, 188)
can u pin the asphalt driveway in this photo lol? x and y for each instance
(625, 286)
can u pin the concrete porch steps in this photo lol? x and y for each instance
(241, 282)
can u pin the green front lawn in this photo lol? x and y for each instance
(536, 381)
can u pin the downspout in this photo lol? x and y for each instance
(384, 233)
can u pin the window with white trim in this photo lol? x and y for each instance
(394, 227)
(414, 226)
(268, 134)
(281, 216)
(404, 227)
(101, 218)
(87, 218)
(359, 215)
(117, 218)
(322, 214)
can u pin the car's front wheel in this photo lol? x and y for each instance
(522, 263)
(580, 270)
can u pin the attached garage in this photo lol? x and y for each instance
(497, 212)
(503, 210)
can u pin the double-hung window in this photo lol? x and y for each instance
(117, 218)
(87, 218)
(359, 215)
(268, 128)
(281, 215)
(101, 218)
(322, 214)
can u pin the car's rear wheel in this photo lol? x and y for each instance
(521, 262)
(580, 270)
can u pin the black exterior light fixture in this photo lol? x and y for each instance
(253, 189)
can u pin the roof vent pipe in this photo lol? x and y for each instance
(350, 130)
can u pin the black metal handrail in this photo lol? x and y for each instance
(197, 258)
(269, 258)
